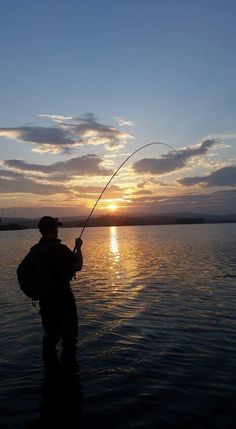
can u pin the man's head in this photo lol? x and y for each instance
(48, 226)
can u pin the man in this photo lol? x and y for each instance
(58, 310)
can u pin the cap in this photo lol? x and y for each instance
(47, 222)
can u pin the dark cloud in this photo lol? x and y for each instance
(152, 182)
(49, 209)
(68, 133)
(143, 192)
(92, 192)
(6, 174)
(79, 166)
(24, 177)
(12, 182)
(46, 139)
(89, 129)
(172, 161)
(225, 176)
(220, 202)
(24, 185)
(112, 191)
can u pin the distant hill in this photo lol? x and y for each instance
(168, 219)
(31, 223)
(124, 220)
(11, 226)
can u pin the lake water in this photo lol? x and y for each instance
(157, 321)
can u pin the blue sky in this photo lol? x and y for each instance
(167, 66)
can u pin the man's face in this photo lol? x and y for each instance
(55, 231)
(51, 232)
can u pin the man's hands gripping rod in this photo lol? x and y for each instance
(78, 244)
(78, 253)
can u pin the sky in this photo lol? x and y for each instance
(86, 83)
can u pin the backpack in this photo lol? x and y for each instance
(33, 275)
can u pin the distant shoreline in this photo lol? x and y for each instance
(114, 220)
(12, 227)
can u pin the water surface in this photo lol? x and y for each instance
(157, 328)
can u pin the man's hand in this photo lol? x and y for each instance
(78, 254)
(78, 243)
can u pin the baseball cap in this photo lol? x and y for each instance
(47, 222)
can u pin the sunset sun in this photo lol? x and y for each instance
(112, 207)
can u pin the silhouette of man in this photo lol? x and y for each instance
(58, 310)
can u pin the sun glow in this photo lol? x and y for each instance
(112, 207)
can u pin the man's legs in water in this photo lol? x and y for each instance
(51, 325)
(69, 332)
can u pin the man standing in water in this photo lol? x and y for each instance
(58, 310)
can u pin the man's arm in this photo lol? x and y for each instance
(78, 254)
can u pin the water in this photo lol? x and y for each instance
(157, 323)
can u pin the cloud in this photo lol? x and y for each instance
(6, 174)
(172, 161)
(79, 166)
(152, 182)
(56, 118)
(143, 192)
(123, 122)
(112, 192)
(96, 189)
(16, 183)
(21, 182)
(92, 132)
(225, 176)
(47, 139)
(220, 202)
(68, 133)
(23, 177)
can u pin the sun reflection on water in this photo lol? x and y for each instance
(114, 258)
(114, 244)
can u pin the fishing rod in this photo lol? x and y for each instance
(115, 173)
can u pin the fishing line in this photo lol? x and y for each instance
(115, 173)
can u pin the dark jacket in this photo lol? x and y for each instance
(59, 262)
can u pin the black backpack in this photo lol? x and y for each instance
(34, 276)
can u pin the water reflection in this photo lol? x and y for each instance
(157, 319)
(61, 404)
(114, 244)
(114, 257)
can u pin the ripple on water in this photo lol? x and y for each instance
(157, 328)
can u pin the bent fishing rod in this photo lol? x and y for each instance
(115, 173)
